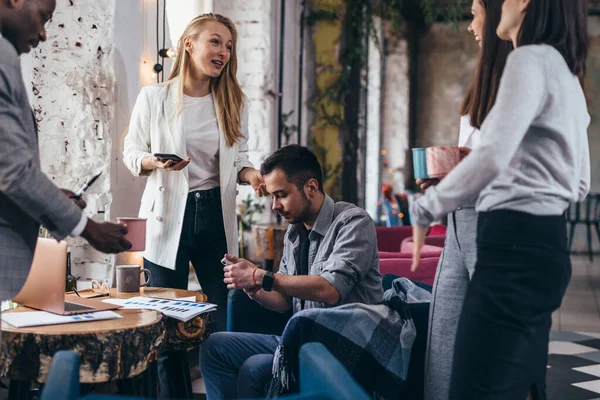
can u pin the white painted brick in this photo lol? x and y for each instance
(72, 80)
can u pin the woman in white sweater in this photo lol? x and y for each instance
(533, 160)
(200, 115)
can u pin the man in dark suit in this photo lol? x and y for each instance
(28, 198)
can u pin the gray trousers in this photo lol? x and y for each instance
(454, 271)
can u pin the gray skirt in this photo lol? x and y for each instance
(452, 277)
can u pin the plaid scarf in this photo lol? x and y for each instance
(373, 342)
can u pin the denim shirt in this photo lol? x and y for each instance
(343, 250)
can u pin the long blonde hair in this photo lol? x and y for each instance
(225, 88)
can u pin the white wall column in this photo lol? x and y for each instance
(72, 81)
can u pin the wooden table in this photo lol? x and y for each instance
(109, 350)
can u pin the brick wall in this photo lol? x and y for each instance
(256, 22)
(72, 81)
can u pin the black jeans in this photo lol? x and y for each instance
(203, 243)
(522, 272)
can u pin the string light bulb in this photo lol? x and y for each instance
(168, 53)
(157, 68)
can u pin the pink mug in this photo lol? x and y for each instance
(441, 160)
(136, 232)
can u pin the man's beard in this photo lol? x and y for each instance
(304, 215)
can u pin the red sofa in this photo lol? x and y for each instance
(391, 238)
(395, 252)
(432, 244)
(401, 267)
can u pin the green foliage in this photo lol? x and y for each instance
(330, 171)
(248, 210)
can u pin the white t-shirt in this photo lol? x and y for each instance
(201, 133)
(469, 136)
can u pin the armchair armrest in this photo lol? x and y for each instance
(63, 378)
(322, 377)
(246, 315)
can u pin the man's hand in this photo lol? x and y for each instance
(253, 292)
(419, 234)
(79, 202)
(238, 274)
(106, 237)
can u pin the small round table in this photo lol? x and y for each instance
(109, 350)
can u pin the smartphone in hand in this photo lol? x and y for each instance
(166, 156)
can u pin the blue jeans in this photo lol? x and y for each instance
(237, 364)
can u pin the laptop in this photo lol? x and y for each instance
(44, 288)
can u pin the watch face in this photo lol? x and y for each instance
(267, 282)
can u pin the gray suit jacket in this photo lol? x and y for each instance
(28, 198)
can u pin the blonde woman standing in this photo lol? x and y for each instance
(200, 115)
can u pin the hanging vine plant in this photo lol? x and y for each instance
(341, 32)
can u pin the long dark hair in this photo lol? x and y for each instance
(561, 24)
(482, 94)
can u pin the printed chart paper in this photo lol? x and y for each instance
(179, 309)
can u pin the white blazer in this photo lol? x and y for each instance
(155, 129)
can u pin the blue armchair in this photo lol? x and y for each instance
(321, 377)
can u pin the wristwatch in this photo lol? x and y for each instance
(267, 281)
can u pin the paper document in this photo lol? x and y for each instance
(189, 298)
(179, 309)
(38, 318)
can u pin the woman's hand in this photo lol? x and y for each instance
(464, 151)
(258, 183)
(170, 165)
(419, 234)
(150, 163)
(425, 183)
